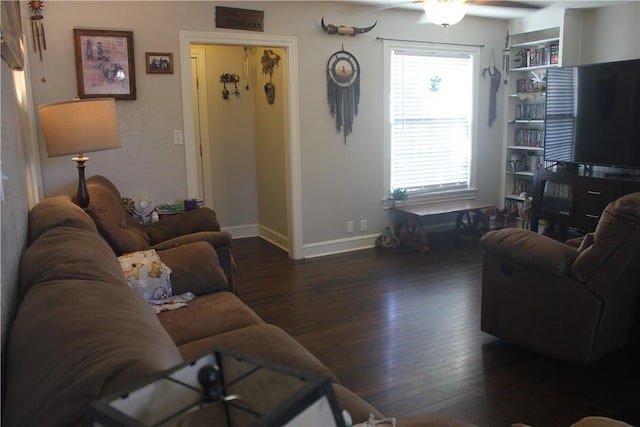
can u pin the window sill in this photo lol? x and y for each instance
(433, 197)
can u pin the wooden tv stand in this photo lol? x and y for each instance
(575, 199)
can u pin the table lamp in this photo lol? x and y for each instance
(222, 388)
(78, 127)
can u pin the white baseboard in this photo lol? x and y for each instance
(317, 249)
(337, 246)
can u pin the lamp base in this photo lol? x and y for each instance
(82, 194)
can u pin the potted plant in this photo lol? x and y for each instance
(398, 195)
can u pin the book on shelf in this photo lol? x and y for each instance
(554, 49)
(530, 111)
(529, 138)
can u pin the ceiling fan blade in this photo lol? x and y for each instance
(503, 3)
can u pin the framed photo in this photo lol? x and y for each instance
(159, 62)
(11, 34)
(104, 63)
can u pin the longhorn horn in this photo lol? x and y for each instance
(364, 30)
(344, 30)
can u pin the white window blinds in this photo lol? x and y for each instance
(431, 103)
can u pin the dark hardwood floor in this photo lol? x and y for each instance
(402, 330)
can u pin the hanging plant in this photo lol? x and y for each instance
(270, 61)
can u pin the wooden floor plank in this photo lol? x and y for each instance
(402, 330)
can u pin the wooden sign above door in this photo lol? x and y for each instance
(239, 19)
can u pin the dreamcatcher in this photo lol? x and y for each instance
(343, 89)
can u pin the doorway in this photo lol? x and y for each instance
(192, 114)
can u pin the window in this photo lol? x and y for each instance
(431, 126)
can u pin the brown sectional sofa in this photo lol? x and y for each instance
(82, 332)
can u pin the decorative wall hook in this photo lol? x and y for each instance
(229, 78)
(344, 30)
(270, 61)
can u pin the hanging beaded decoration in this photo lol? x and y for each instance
(343, 89)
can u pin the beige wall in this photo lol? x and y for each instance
(340, 182)
(611, 33)
(232, 136)
(247, 143)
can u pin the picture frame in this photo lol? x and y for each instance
(11, 34)
(159, 62)
(105, 64)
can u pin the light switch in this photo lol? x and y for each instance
(178, 137)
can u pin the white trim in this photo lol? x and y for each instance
(206, 191)
(294, 175)
(474, 52)
(243, 231)
(273, 237)
(331, 247)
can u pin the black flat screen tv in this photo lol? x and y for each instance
(593, 114)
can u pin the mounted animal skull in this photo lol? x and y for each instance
(343, 30)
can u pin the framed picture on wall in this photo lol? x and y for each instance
(159, 62)
(105, 63)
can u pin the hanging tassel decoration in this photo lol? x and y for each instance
(343, 90)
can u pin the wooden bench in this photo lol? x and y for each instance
(408, 221)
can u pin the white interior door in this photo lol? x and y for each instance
(201, 126)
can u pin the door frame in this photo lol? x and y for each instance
(292, 154)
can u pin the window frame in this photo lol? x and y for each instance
(431, 196)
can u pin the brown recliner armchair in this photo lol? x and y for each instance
(567, 302)
(125, 235)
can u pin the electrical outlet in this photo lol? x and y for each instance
(363, 225)
(349, 226)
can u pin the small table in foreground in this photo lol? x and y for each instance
(408, 220)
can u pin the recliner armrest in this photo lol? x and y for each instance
(530, 249)
(203, 219)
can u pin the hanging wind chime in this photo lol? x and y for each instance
(343, 89)
(37, 27)
(270, 61)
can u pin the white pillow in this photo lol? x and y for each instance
(147, 274)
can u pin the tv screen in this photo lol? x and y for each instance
(593, 114)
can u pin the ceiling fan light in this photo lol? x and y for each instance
(444, 12)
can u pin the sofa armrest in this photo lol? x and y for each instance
(530, 249)
(194, 268)
(203, 219)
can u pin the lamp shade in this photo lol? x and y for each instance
(444, 12)
(80, 126)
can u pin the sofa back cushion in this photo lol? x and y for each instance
(120, 230)
(606, 255)
(57, 212)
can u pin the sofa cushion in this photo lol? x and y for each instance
(54, 257)
(263, 341)
(55, 212)
(77, 340)
(115, 224)
(207, 315)
(208, 277)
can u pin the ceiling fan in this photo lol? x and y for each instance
(450, 12)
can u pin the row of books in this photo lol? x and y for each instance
(536, 57)
(557, 190)
(530, 85)
(529, 138)
(525, 162)
(522, 186)
(530, 111)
